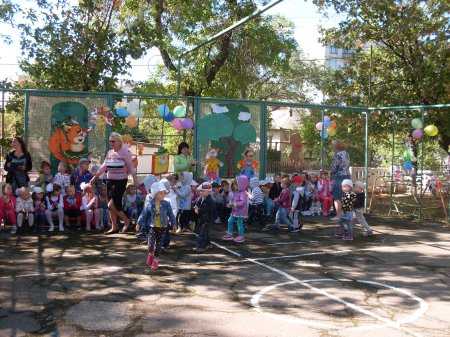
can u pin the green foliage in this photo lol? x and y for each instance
(74, 47)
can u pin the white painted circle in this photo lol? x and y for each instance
(423, 306)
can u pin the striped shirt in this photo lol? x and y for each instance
(257, 196)
(117, 164)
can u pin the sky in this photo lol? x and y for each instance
(303, 13)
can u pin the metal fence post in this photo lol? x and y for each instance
(263, 141)
(197, 109)
(26, 115)
(322, 139)
(366, 158)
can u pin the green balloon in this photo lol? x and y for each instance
(179, 111)
(416, 123)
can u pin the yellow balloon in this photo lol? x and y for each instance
(331, 131)
(431, 130)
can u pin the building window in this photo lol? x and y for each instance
(333, 50)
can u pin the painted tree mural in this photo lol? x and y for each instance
(228, 129)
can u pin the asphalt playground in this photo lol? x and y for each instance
(394, 284)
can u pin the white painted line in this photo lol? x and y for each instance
(109, 269)
(423, 307)
(324, 252)
(352, 306)
(290, 243)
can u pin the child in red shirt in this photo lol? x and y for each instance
(72, 206)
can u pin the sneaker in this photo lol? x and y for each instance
(150, 258)
(199, 249)
(61, 228)
(339, 232)
(294, 230)
(155, 264)
(239, 239)
(267, 228)
(217, 221)
(51, 229)
(14, 230)
(179, 230)
(228, 237)
(348, 237)
(368, 233)
(335, 219)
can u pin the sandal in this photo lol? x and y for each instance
(111, 231)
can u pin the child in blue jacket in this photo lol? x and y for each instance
(158, 215)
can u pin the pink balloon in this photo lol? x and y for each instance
(417, 133)
(319, 126)
(187, 123)
(177, 124)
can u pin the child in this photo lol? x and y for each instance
(62, 178)
(227, 196)
(325, 196)
(315, 208)
(297, 202)
(39, 207)
(239, 210)
(171, 198)
(184, 195)
(158, 216)
(55, 206)
(142, 232)
(274, 192)
(45, 175)
(205, 212)
(72, 206)
(256, 209)
(81, 174)
(103, 207)
(218, 203)
(248, 166)
(132, 204)
(24, 207)
(308, 193)
(359, 208)
(8, 208)
(284, 206)
(345, 229)
(89, 204)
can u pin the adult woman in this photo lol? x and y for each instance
(18, 164)
(183, 160)
(340, 170)
(117, 165)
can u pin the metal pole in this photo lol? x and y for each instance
(392, 161)
(366, 158)
(321, 140)
(370, 77)
(263, 141)
(421, 169)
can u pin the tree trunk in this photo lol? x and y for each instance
(231, 146)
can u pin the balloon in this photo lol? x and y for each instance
(131, 121)
(407, 165)
(333, 125)
(163, 109)
(176, 123)
(407, 155)
(122, 112)
(168, 117)
(326, 121)
(417, 133)
(179, 111)
(416, 123)
(319, 126)
(431, 130)
(331, 131)
(324, 134)
(139, 113)
(187, 123)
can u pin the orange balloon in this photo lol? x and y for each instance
(333, 125)
(131, 121)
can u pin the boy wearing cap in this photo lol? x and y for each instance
(204, 208)
(345, 229)
(359, 208)
(158, 216)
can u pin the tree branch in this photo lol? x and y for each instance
(159, 30)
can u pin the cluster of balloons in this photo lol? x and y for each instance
(130, 111)
(430, 130)
(175, 118)
(408, 159)
(327, 127)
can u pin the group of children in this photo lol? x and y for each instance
(177, 202)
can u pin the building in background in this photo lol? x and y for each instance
(336, 58)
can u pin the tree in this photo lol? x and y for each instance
(230, 132)
(410, 58)
(74, 47)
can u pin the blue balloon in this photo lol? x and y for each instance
(324, 134)
(168, 117)
(326, 121)
(163, 109)
(407, 165)
(122, 112)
